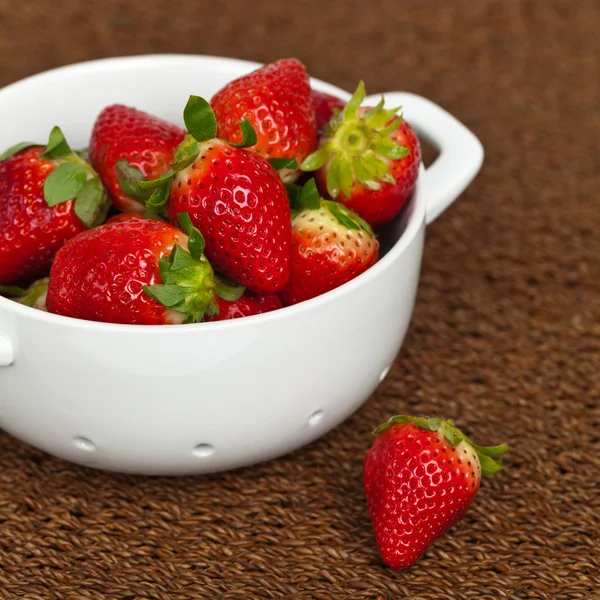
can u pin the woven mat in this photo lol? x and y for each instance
(505, 338)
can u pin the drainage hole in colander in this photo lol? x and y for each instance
(203, 450)
(315, 418)
(84, 444)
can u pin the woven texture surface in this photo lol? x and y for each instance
(505, 337)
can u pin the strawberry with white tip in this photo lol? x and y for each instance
(421, 475)
(330, 246)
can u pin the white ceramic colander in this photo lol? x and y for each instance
(212, 396)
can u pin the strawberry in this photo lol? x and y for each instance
(235, 198)
(127, 145)
(420, 477)
(330, 246)
(137, 271)
(326, 106)
(276, 100)
(368, 159)
(247, 305)
(47, 195)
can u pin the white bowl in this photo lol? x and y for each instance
(212, 396)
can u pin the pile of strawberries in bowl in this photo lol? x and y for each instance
(270, 196)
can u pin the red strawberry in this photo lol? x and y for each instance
(249, 304)
(330, 246)
(47, 195)
(138, 271)
(326, 106)
(236, 199)
(276, 100)
(128, 144)
(368, 159)
(420, 477)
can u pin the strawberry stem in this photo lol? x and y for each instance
(489, 456)
(357, 147)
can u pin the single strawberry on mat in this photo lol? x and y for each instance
(421, 475)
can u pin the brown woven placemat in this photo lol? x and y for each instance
(505, 338)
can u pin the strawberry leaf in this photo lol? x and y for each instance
(92, 203)
(315, 160)
(168, 295)
(196, 243)
(188, 282)
(195, 238)
(64, 183)
(333, 177)
(57, 145)
(309, 196)
(489, 466)
(155, 183)
(346, 175)
(185, 222)
(12, 290)
(200, 119)
(364, 176)
(351, 109)
(283, 163)
(248, 135)
(452, 435)
(128, 178)
(185, 154)
(15, 149)
(159, 198)
(340, 214)
(26, 297)
(376, 109)
(491, 451)
(179, 259)
(164, 264)
(390, 149)
(231, 293)
(211, 311)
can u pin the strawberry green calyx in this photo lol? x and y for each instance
(189, 284)
(356, 147)
(201, 124)
(307, 197)
(489, 456)
(74, 178)
(15, 149)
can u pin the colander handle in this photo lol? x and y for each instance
(460, 152)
